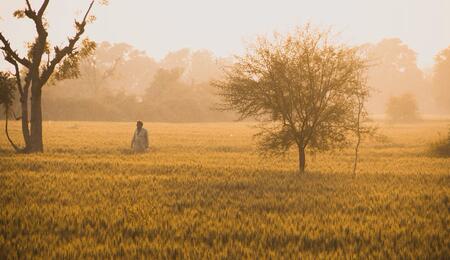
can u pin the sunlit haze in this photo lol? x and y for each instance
(231, 129)
(161, 26)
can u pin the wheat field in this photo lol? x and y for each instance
(203, 192)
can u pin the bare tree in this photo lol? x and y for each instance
(303, 88)
(42, 65)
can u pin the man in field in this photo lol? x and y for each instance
(139, 143)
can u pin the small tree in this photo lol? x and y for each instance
(302, 88)
(41, 65)
(360, 129)
(402, 109)
(7, 89)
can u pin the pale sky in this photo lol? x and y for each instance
(160, 26)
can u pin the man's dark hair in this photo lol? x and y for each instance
(139, 123)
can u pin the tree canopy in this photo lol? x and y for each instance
(441, 79)
(394, 72)
(303, 87)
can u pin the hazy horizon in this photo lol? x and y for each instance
(328, 139)
(159, 27)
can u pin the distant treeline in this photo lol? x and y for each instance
(120, 83)
(195, 105)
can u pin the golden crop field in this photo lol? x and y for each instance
(203, 192)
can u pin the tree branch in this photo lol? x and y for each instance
(61, 53)
(29, 5)
(88, 11)
(41, 40)
(13, 54)
(17, 73)
(43, 7)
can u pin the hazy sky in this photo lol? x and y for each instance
(160, 26)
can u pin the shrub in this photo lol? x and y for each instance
(441, 148)
(402, 109)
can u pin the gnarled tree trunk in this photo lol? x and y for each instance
(36, 143)
(25, 127)
(38, 73)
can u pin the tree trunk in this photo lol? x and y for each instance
(25, 126)
(301, 158)
(358, 135)
(356, 151)
(36, 143)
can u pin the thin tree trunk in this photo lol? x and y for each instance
(301, 158)
(356, 153)
(16, 148)
(358, 136)
(36, 143)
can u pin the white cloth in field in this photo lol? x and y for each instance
(139, 143)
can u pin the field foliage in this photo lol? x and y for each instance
(203, 192)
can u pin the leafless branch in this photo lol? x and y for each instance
(10, 52)
(43, 7)
(17, 73)
(29, 5)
